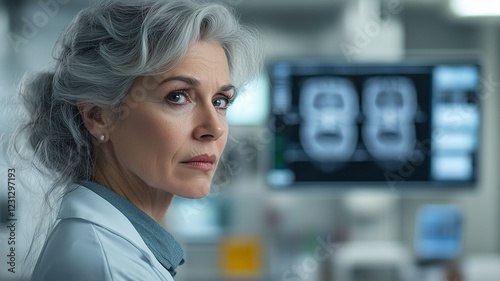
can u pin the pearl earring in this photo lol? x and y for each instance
(102, 137)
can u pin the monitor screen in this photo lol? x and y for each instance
(374, 124)
(438, 232)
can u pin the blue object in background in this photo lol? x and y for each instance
(438, 232)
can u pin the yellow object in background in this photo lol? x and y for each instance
(241, 256)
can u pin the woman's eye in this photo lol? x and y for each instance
(177, 97)
(221, 102)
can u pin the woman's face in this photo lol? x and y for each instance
(174, 127)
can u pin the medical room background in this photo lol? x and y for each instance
(367, 149)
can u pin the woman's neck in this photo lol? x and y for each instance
(150, 200)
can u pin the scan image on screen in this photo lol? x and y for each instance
(328, 109)
(380, 124)
(389, 108)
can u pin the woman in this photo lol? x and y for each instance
(132, 115)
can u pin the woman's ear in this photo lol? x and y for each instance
(96, 120)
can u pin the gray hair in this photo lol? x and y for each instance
(100, 54)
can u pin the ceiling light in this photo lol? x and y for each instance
(475, 8)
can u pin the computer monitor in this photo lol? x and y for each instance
(391, 124)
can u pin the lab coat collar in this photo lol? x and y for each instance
(125, 219)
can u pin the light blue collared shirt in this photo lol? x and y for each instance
(163, 245)
(93, 240)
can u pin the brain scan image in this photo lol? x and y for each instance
(329, 108)
(389, 106)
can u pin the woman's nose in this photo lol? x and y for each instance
(209, 126)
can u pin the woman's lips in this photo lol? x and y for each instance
(202, 162)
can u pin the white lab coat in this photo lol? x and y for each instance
(92, 240)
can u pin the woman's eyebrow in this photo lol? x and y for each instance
(188, 80)
(226, 88)
(193, 82)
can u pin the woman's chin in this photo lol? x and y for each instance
(196, 192)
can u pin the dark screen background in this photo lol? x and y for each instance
(364, 168)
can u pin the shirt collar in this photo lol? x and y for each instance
(161, 243)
